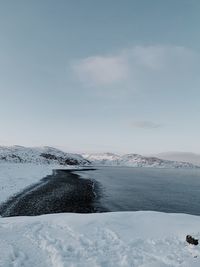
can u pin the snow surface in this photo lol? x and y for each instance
(128, 239)
(39, 155)
(22, 166)
(134, 160)
(50, 155)
(16, 176)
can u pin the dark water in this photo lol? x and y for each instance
(131, 189)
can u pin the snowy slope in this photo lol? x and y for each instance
(16, 176)
(39, 155)
(181, 156)
(133, 160)
(107, 159)
(49, 155)
(128, 239)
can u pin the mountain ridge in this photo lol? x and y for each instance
(39, 155)
(190, 157)
(134, 160)
(51, 155)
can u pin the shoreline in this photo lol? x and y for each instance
(63, 191)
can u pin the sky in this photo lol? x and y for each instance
(95, 76)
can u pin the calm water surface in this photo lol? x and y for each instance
(131, 189)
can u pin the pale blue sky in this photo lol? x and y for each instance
(109, 75)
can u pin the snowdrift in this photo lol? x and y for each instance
(128, 239)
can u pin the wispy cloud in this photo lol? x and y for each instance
(146, 125)
(101, 70)
(131, 64)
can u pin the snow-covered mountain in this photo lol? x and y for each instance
(133, 160)
(50, 155)
(181, 156)
(39, 155)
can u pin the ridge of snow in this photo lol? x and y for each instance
(134, 160)
(50, 155)
(39, 155)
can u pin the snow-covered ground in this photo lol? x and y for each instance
(16, 176)
(128, 239)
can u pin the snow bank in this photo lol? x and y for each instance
(15, 177)
(128, 239)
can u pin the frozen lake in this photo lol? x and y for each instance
(131, 189)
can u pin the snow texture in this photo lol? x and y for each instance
(16, 176)
(50, 155)
(128, 239)
(134, 160)
(39, 155)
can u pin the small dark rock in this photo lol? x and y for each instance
(192, 240)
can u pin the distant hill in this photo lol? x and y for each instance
(50, 155)
(181, 156)
(39, 155)
(133, 160)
